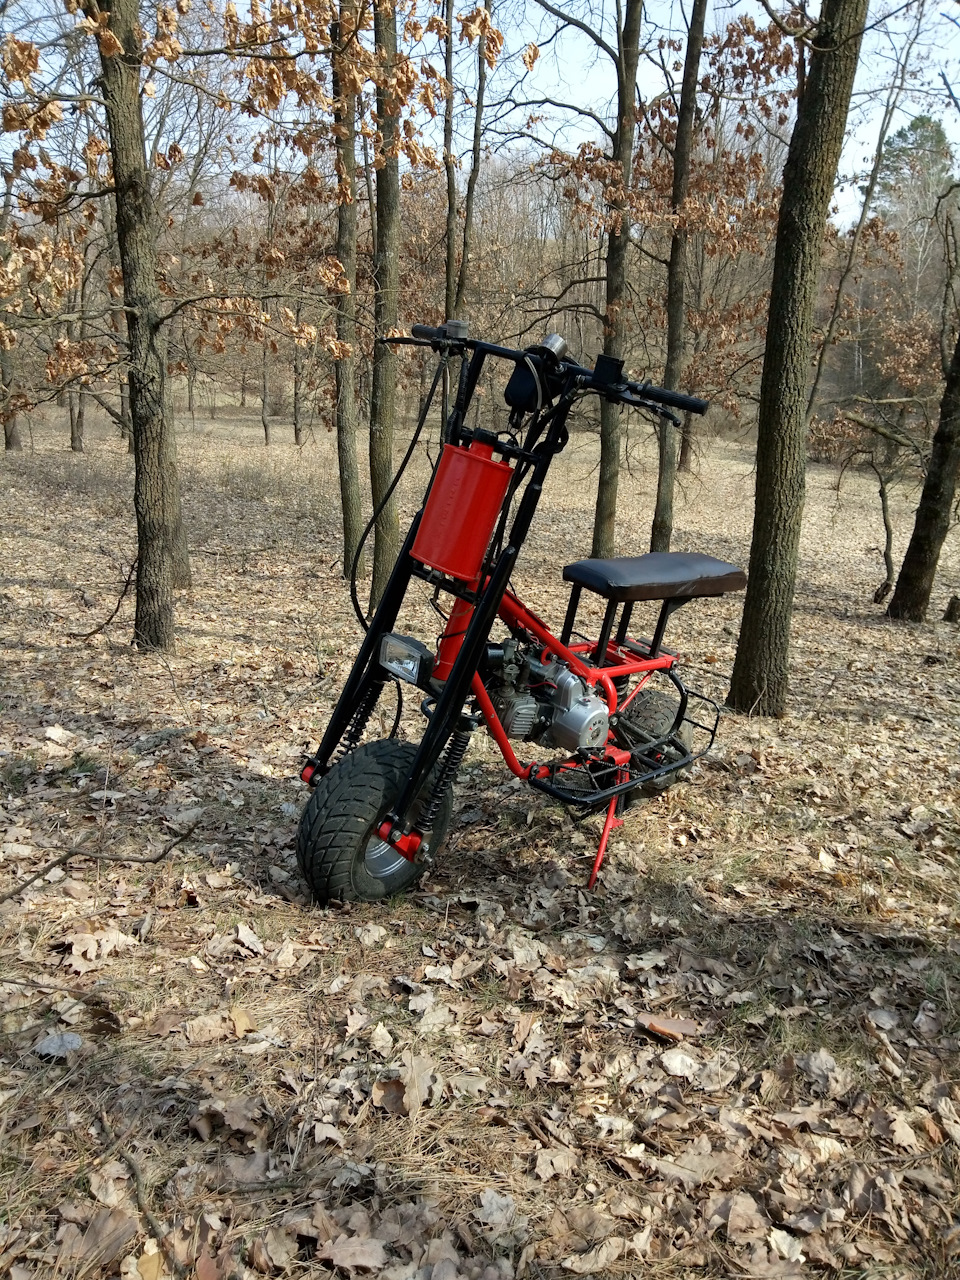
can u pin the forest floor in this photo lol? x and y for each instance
(203, 1074)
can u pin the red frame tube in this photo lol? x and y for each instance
(513, 611)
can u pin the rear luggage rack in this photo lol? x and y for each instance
(590, 780)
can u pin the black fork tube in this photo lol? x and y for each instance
(368, 657)
(469, 377)
(457, 686)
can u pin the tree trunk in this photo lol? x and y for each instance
(347, 418)
(126, 427)
(298, 361)
(618, 241)
(662, 529)
(77, 400)
(685, 463)
(77, 404)
(915, 581)
(11, 430)
(761, 670)
(162, 560)
(386, 275)
(886, 586)
(264, 395)
(12, 442)
(449, 164)
(467, 247)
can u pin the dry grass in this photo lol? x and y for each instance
(803, 880)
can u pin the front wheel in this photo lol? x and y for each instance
(339, 852)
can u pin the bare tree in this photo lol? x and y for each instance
(386, 278)
(662, 529)
(761, 670)
(347, 419)
(163, 563)
(911, 596)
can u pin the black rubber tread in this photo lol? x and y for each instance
(654, 713)
(344, 811)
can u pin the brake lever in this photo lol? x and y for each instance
(636, 402)
(664, 413)
(402, 341)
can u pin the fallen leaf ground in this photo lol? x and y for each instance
(738, 1057)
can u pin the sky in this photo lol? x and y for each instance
(573, 69)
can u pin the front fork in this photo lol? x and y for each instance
(366, 678)
(448, 728)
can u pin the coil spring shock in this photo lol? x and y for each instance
(449, 768)
(354, 730)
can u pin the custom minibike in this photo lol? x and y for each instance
(590, 722)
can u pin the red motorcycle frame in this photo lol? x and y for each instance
(379, 811)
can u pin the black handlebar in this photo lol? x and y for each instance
(672, 399)
(629, 393)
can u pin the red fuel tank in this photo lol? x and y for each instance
(462, 510)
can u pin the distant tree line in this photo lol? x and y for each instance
(232, 205)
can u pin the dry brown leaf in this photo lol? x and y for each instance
(208, 1028)
(150, 1264)
(595, 1259)
(390, 1095)
(274, 1250)
(243, 1022)
(105, 1238)
(419, 1077)
(555, 1162)
(677, 1062)
(354, 1253)
(247, 939)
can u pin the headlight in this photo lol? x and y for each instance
(406, 658)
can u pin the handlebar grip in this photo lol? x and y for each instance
(428, 333)
(672, 399)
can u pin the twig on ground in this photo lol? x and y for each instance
(97, 857)
(144, 1205)
(76, 635)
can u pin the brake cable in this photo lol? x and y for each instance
(354, 596)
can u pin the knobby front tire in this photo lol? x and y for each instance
(339, 852)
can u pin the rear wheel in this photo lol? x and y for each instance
(647, 719)
(340, 854)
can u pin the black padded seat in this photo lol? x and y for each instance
(660, 575)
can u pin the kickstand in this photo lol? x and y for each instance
(613, 820)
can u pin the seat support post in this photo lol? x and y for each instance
(624, 621)
(668, 608)
(571, 617)
(600, 654)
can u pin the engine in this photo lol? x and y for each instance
(544, 702)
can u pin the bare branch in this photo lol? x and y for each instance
(569, 21)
